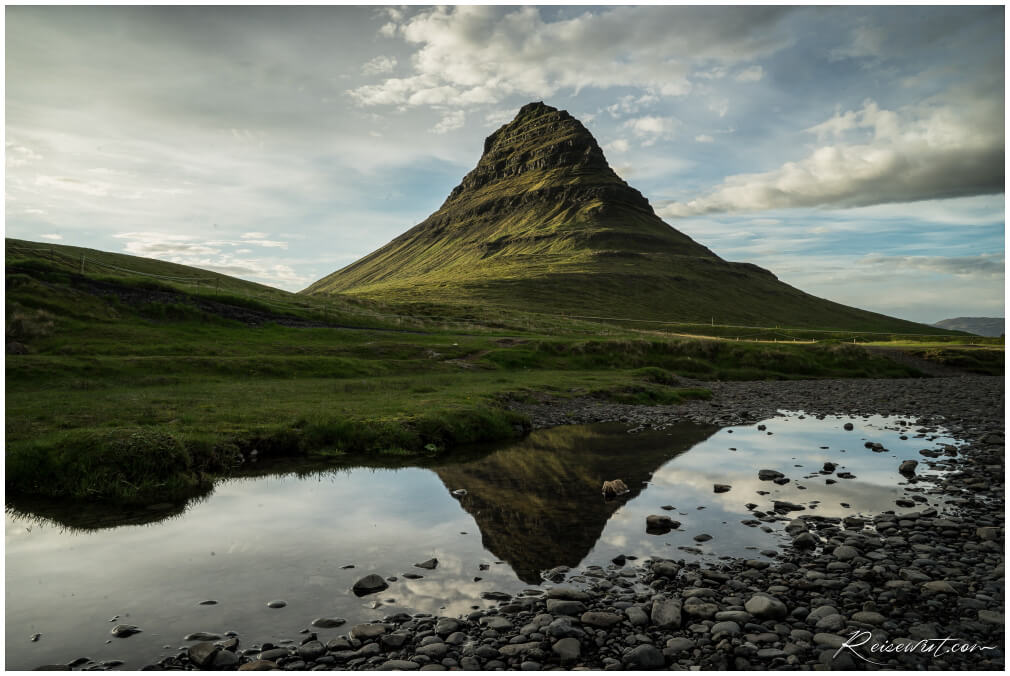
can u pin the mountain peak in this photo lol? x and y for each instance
(543, 139)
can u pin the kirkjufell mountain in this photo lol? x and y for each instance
(544, 224)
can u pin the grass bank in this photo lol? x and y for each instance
(138, 390)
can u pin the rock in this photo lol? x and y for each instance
(328, 622)
(124, 630)
(908, 467)
(224, 659)
(666, 613)
(846, 475)
(657, 522)
(600, 619)
(562, 628)
(769, 474)
(311, 650)
(868, 617)
(565, 607)
(702, 537)
(370, 584)
(939, 587)
(567, 649)
(436, 651)
(446, 626)
(766, 607)
(830, 623)
(496, 622)
(645, 656)
(990, 617)
(368, 631)
(679, 644)
(728, 627)
(988, 533)
(202, 654)
(568, 594)
(399, 665)
(722, 488)
(516, 649)
(784, 506)
(637, 616)
(829, 467)
(845, 553)
(430, 564)
(806, 541)
(258, 665)
(459, 493)
(847, 427)
(202, 636)
(667, 569)
(276, 604)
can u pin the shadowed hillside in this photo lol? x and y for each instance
(543, 223)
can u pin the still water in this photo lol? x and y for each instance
(529, 506)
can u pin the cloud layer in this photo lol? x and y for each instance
(474, 55)
(918, 153)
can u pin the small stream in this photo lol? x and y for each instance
(304, 533)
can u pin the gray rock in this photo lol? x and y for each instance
(845, 553)
(224, 659)
(908, 467)
(328, 622)
(202, 654)
(830, 623)
(567, 649)
(679, 644)
(868, 617)
(990, 617)
(496, 622)
(766, 607)
(806, 540)
(370, 584)
(399, 665)
(124, 630)
(430, 564)
(276, 604)
(568, 594)
(728, 627)
(667, 569)
(637, 616)
(446, 626)
(600, 619)
(364, 632)
(565, 607)
(202, 636)
(311, 650)
(769, 474)
(645, 656)
(666, 613)
(658, 522)
(436, 651)
(721, 488)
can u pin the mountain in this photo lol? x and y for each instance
(544, 224)
(981, 326)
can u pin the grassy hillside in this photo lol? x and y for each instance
(130, 388)
(543, 223)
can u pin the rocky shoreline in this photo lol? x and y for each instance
(890, 587)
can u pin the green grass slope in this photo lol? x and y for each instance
(543, 223)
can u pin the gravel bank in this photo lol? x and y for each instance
(891, 586)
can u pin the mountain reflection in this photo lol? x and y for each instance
(538, 502)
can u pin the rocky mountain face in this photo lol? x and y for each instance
(543, 223)
(980, 326)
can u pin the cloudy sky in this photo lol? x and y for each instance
(856, 152)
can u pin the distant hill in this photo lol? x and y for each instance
(544, 224)
(981, 326)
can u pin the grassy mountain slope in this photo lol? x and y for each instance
(981, 326)
(544, 223)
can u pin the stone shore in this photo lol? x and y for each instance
(861, 592)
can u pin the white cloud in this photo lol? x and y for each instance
(652, 128)
(52, 237)
(449, 121)
(704, 138)
(865, 42)
(916, 153)
(482, 54)
(984, 265)
(379, 65)
(751, 74)
(497, 118)
(254, 235)
(617, 146)
(630, 104)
